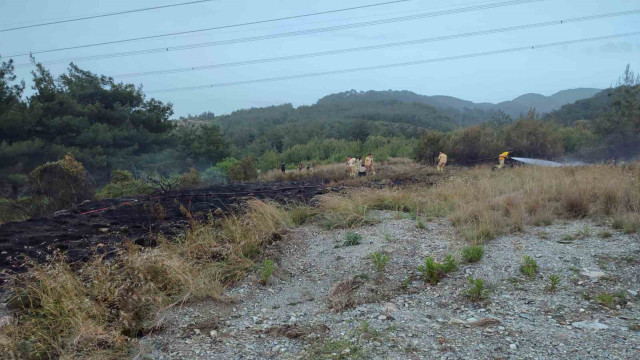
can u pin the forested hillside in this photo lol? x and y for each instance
(110, 126)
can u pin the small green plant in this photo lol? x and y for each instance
(433, 271)
(450, 264)
(610, 300)
(352, 239)
(405, 282)
(528, 267)
(380, 261)
(420, 223)
(472, 254)
(606, 234)
(386, 237)
(477, 290)
(554, 280)
(266, 271)
(567, 237)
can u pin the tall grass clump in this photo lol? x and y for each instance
(96, 310)
(344, 212)
(472, 254)
(490, 203)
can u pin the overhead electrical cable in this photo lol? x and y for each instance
(396, 65)
(213, 28)
(278, 35)
(105, 15)
(377, 47)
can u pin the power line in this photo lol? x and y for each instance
(211, 28)
(284, 35)
(106, 15)
(377, 47)
(396, 65)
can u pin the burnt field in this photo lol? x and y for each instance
(101, 225)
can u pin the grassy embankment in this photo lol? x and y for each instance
(95, 310)
(483, 203)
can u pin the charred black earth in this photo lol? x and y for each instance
(104, 224)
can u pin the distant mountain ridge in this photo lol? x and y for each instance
(520, 105)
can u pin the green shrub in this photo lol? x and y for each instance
(62, 183)
(472, 254)
(226, 164)
(352, 239)
(380, 261)
(120, 176)
(266, 270)
(123, 184)
(554, 280)
(477, 290)
(189, 180)
(528, 267)
(245, 170)
(20, 209)
(433, 271)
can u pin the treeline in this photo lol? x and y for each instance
(601, 128)
(104, 124)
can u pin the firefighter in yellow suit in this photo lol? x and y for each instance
(442, 161)
(368, 163)
(501, 158)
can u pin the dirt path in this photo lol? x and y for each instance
(290, 318)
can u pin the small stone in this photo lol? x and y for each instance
(593, 273)
(632, 292)
(457, 322)
(513, 346)
(346, 351)
(213, 334)
(382, 317)
(590, 325)
(634, 326)
(581, 310)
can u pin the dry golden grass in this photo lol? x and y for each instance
(483, 203)
(339, 173)
(95, 311)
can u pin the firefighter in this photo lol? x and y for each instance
(442, 161)
(501, 158)
(368, 163)
(352, 166)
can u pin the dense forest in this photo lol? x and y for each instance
(89, 119)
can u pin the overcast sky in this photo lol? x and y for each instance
(482, 79)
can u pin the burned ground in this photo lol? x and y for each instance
(101, 225)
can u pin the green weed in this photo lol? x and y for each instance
(380, 261)
(472, 254)
(352, 239)
(477, 290)
(528, 267)
(433, 271)
(554, 280)
(266, 270)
